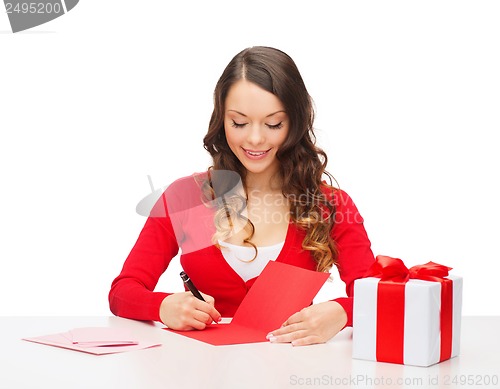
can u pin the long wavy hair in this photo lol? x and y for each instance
(302, 163)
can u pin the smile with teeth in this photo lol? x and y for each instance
(254, 153)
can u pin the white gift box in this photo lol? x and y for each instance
(422, 320)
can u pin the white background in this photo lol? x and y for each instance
(407, 97)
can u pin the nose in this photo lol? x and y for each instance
(255, 135)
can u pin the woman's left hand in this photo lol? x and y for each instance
(317, 323)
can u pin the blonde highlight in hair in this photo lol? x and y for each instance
(229, 216)
(316, 217)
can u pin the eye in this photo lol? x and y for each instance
(238, 125)
(275, 126)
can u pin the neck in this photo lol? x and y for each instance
(264, 182)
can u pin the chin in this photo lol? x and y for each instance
(250, 168)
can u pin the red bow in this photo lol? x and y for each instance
(393, 269)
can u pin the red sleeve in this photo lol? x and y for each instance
(354, 252)
(132, 292)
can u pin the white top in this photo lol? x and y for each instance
(240, 258)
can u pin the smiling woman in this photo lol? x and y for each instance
(262, 129)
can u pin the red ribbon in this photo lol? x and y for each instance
(393, 276)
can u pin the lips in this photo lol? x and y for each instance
(256, 154)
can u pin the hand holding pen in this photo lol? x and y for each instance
(180, 311)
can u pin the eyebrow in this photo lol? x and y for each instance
(242, 114)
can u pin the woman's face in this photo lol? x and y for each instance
(256, 125)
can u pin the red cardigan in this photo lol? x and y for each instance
(132, 293)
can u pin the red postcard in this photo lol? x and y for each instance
(280, 291)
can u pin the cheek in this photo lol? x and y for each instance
(232, 138)
(229, 135)
(281, 137)
(234, 135)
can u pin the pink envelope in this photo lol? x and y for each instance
(280, 291)
(95, 340)
(100, 337)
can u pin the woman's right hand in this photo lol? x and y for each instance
(183, 311)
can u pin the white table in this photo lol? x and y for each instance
(185, 363)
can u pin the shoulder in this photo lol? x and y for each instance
(187, 182)
(203, 188)
(220, 181)
(342, 202)
(336, 196)
(179, 194)
(185, 192)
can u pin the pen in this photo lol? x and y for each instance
(191, 286)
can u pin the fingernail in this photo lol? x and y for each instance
(269, 335)
(272, 339)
